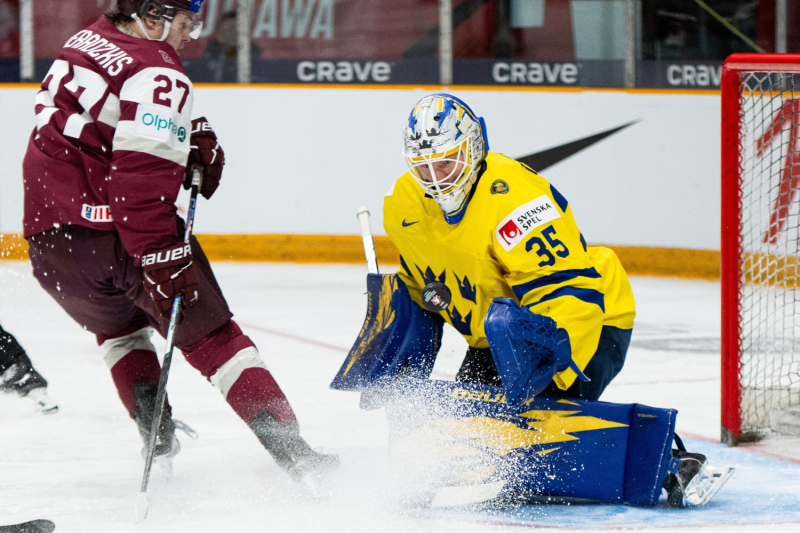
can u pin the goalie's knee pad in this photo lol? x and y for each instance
(398, 337)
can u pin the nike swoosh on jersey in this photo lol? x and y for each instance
(406, 224)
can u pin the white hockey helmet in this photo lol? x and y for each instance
(442, 129)
(163, 10)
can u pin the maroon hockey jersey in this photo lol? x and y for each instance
(111, 139)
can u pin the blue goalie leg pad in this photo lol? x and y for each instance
(398, 338)
(568, 449)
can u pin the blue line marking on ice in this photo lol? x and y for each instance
(762, 490)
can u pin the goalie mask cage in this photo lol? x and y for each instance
(760, 244)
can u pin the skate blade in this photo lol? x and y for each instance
(182, 426)
(315, 470)
(706, 484)
(165, 464)
(460, 495)
(314, 487)
(43, 400)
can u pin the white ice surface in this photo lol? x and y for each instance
(82, 467)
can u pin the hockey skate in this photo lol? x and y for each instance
(290, 451)
(696, 481)
(24, 380)
(167, 445)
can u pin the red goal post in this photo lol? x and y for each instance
(760, 232)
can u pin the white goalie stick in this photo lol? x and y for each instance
(448, 495)
(140, 507)
(369, 244)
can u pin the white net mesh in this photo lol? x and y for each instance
(769, 300)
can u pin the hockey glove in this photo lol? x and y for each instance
(167, 273)
(528, 349)
(206, 154)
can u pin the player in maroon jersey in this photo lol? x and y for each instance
(113, 143)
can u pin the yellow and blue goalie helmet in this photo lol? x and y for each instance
(445, 143)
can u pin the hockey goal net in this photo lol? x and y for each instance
(760, 246)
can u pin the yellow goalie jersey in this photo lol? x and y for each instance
(518, 239)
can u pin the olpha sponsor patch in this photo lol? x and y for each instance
(161, 124)
(513, 229)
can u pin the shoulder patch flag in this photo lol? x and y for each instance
(513, 229)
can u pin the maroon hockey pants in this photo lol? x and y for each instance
(89, 273)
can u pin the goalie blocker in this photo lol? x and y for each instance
(616, 453)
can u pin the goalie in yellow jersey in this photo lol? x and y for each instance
(490, 247)
(473, 225)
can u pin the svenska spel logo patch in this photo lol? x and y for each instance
(513, 229)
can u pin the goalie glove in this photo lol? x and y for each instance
(167, 273)
(528, 349)
(204, 153)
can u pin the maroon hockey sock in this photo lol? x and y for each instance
(254, 390)
(257, 391)
(138, 366)
(212, 352)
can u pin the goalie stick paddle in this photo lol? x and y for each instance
(34, 526)
(140, 507)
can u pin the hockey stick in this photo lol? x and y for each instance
(446, 496)
(140, 507)
(366, 235)
(34, 526)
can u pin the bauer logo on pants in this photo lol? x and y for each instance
(513, 229)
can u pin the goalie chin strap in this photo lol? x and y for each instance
(164, 32)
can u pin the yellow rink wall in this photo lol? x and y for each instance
(291, 248)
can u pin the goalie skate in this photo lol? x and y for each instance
(696, 481)
(704, 486)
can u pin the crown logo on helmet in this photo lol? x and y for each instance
(445, 144)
